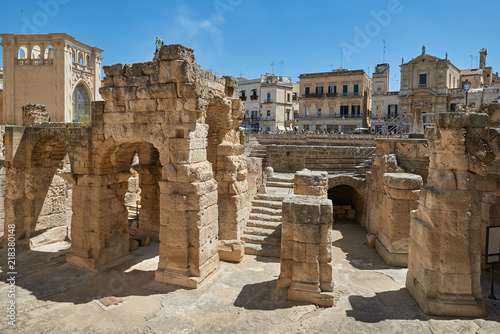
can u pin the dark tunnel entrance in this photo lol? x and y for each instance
(348, 204)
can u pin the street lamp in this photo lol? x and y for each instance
(466, 88)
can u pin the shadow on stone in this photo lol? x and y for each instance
(261, 296)
(396, 304)
(47, 276)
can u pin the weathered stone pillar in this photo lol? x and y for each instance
(149, 213)
(188, 230)
(444, 253)
(100, 220)
(306, 250)
(400, 196)
(314, 183)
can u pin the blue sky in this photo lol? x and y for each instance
(242, 36)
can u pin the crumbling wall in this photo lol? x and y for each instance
(444, 259)
(34, 113)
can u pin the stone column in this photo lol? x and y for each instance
(188, 225)
(400, 196)
(444, 255)
(100, 220)
(314, 183)
(306, 250)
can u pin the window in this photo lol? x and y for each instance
(287, 115)
(355, 110)
(81, 104)
(453, 107)
(269, 115)
(422, 79)
(332, 89)
(288, 97)
(243, 93)
(344, 110)
(356, 90)
(308, 90)
(319, 112)
(319, 90)
(268, 97)
(344, 90)
(379, 111)
(379, 90)
(294, 97)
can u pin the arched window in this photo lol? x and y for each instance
(80, 58)
(49, 52)
(87, 60)
(81, 104)
(35, 52)
(73, 56)
(23, 52)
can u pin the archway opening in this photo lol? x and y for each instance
(348, 204)
(23, 52)
(36, 52)
(50, 193)
(49, 52)
(81, 104)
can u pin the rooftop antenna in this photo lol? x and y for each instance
(477, 64)
(368, 70)
(272, 67)
(471, 58)
(241, 74)
(383, 57)
(282, 66)
(331, 67)
(341, 55)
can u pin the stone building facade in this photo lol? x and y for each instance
(55, 70)
(269, 102)
(337, 101)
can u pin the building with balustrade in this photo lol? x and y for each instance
(336, 101)
(55, 70)
(384, 116)
(269, 102)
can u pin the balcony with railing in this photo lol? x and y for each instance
(34, 62)
(312, 96)
(297, 116)
(83, 68)
(349, 94)
(254, 97)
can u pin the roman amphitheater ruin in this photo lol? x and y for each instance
(171, 129)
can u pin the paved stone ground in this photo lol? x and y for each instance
(55, 297)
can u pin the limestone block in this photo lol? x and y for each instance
(461, 120)
(177, 52)
(112, 70)
(34, 113)
(404, 181)
(50, 236)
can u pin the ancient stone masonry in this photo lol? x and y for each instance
(306, 245)
(34, 113)
(400, 196)
(392, 156)
(310, 183)
(192, 176)
(445, 246)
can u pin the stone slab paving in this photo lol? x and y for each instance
(55, 297)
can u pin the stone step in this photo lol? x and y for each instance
(264, 232)
(261, 240)
(265, 217)
(267, 211)
(263, 250)
(279, 184)
(267, 204)
(270, 197)
(272, 225)
(281, 178)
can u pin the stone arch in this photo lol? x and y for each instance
(73, 56)
(87, 60)
(29, 178)
(80, 58)
(49, 52)
(22, 52)
(345, 191)
(36, 52)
